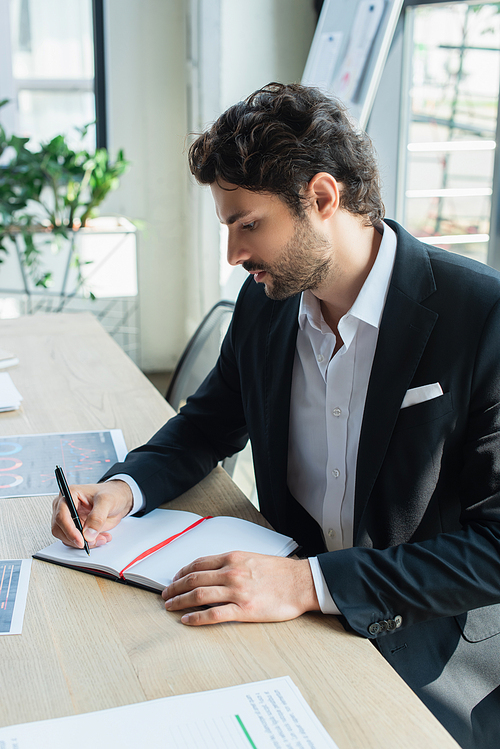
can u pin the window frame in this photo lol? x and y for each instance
(493, 252)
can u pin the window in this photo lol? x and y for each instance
(51, 68)
(450, 144)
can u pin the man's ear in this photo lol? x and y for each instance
(323, 192)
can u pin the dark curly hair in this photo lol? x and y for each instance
(279, 138)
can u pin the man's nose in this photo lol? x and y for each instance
(236, 252)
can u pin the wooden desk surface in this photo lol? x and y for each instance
(89, 644)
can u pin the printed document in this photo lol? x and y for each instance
(269, 714)
(14, 579)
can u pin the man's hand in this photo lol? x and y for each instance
(242, 587)
(100, 508)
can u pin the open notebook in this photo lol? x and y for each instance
(149, 550)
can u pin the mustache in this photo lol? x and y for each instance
(249, 266)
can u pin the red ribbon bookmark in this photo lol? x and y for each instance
(152, 550)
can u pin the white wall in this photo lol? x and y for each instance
(147, 79)
(146, 91)
(270, 43)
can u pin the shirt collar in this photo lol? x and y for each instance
(369, 304)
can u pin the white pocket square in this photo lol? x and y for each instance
(421, 394)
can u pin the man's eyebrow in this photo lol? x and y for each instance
(236, 217)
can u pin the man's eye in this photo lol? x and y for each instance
(249, 226)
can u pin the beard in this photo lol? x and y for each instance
(304, 263)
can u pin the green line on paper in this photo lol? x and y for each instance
(245, 731)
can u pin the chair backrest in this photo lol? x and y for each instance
(200, 354)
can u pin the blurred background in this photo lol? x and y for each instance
(144, 75)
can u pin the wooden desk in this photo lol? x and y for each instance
(128, 648)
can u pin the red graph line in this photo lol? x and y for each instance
(8, 589)
(63, 461)
(1, 581)
(83, 453)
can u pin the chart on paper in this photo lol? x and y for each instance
(9, 578)
(212, 734)
(27, 461)
(14, 580)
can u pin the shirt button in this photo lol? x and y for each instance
(336, 473)
(336, 411)
(331, 533)
(319, 357)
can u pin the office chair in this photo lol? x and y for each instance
(199, 358)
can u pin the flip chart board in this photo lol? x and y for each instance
(349, 50)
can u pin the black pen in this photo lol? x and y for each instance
(64, 489)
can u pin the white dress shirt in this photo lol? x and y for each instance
(327, 405)
(326, 409)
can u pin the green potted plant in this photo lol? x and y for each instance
(47, 194)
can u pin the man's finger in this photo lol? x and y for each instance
(64, 528)
(226, 613)
(97, 521)
(199, 596)
(194, 579)
(214, 562)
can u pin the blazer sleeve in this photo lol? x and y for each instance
(452, 572)
(210, 427)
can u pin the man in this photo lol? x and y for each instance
(364, 367)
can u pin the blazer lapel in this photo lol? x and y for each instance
(279, 358)
(404, 331)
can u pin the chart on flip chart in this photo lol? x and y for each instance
(27, 461)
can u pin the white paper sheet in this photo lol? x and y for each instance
(14, 581)
(269, 714)
(10, 397)
(7, 359)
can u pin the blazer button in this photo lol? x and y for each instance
(398, 620)
(374, 628)
(391, 624)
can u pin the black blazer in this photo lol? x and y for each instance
(427, 501)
